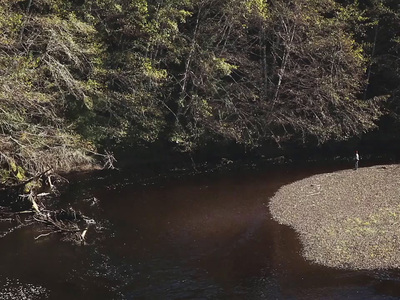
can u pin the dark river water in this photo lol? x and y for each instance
(195, 237)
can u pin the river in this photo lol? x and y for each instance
(208, 236)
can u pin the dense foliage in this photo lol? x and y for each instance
(81, 75)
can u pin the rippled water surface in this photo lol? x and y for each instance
(202, 237)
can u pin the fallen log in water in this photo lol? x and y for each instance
(72, 224)
(66, 222)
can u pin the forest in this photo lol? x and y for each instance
(87, 82)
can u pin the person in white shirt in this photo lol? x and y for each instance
(357, 158)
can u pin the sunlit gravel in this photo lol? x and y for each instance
(348, 219)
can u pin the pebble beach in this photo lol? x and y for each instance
(348, 219)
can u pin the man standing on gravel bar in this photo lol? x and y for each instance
(357, 159)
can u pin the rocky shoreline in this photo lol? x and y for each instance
(347, 219)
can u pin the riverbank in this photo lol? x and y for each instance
(346, 219)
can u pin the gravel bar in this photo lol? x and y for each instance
(347, 219)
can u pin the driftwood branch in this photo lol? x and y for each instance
(22, 183)
(72, 224)
(46, 234)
